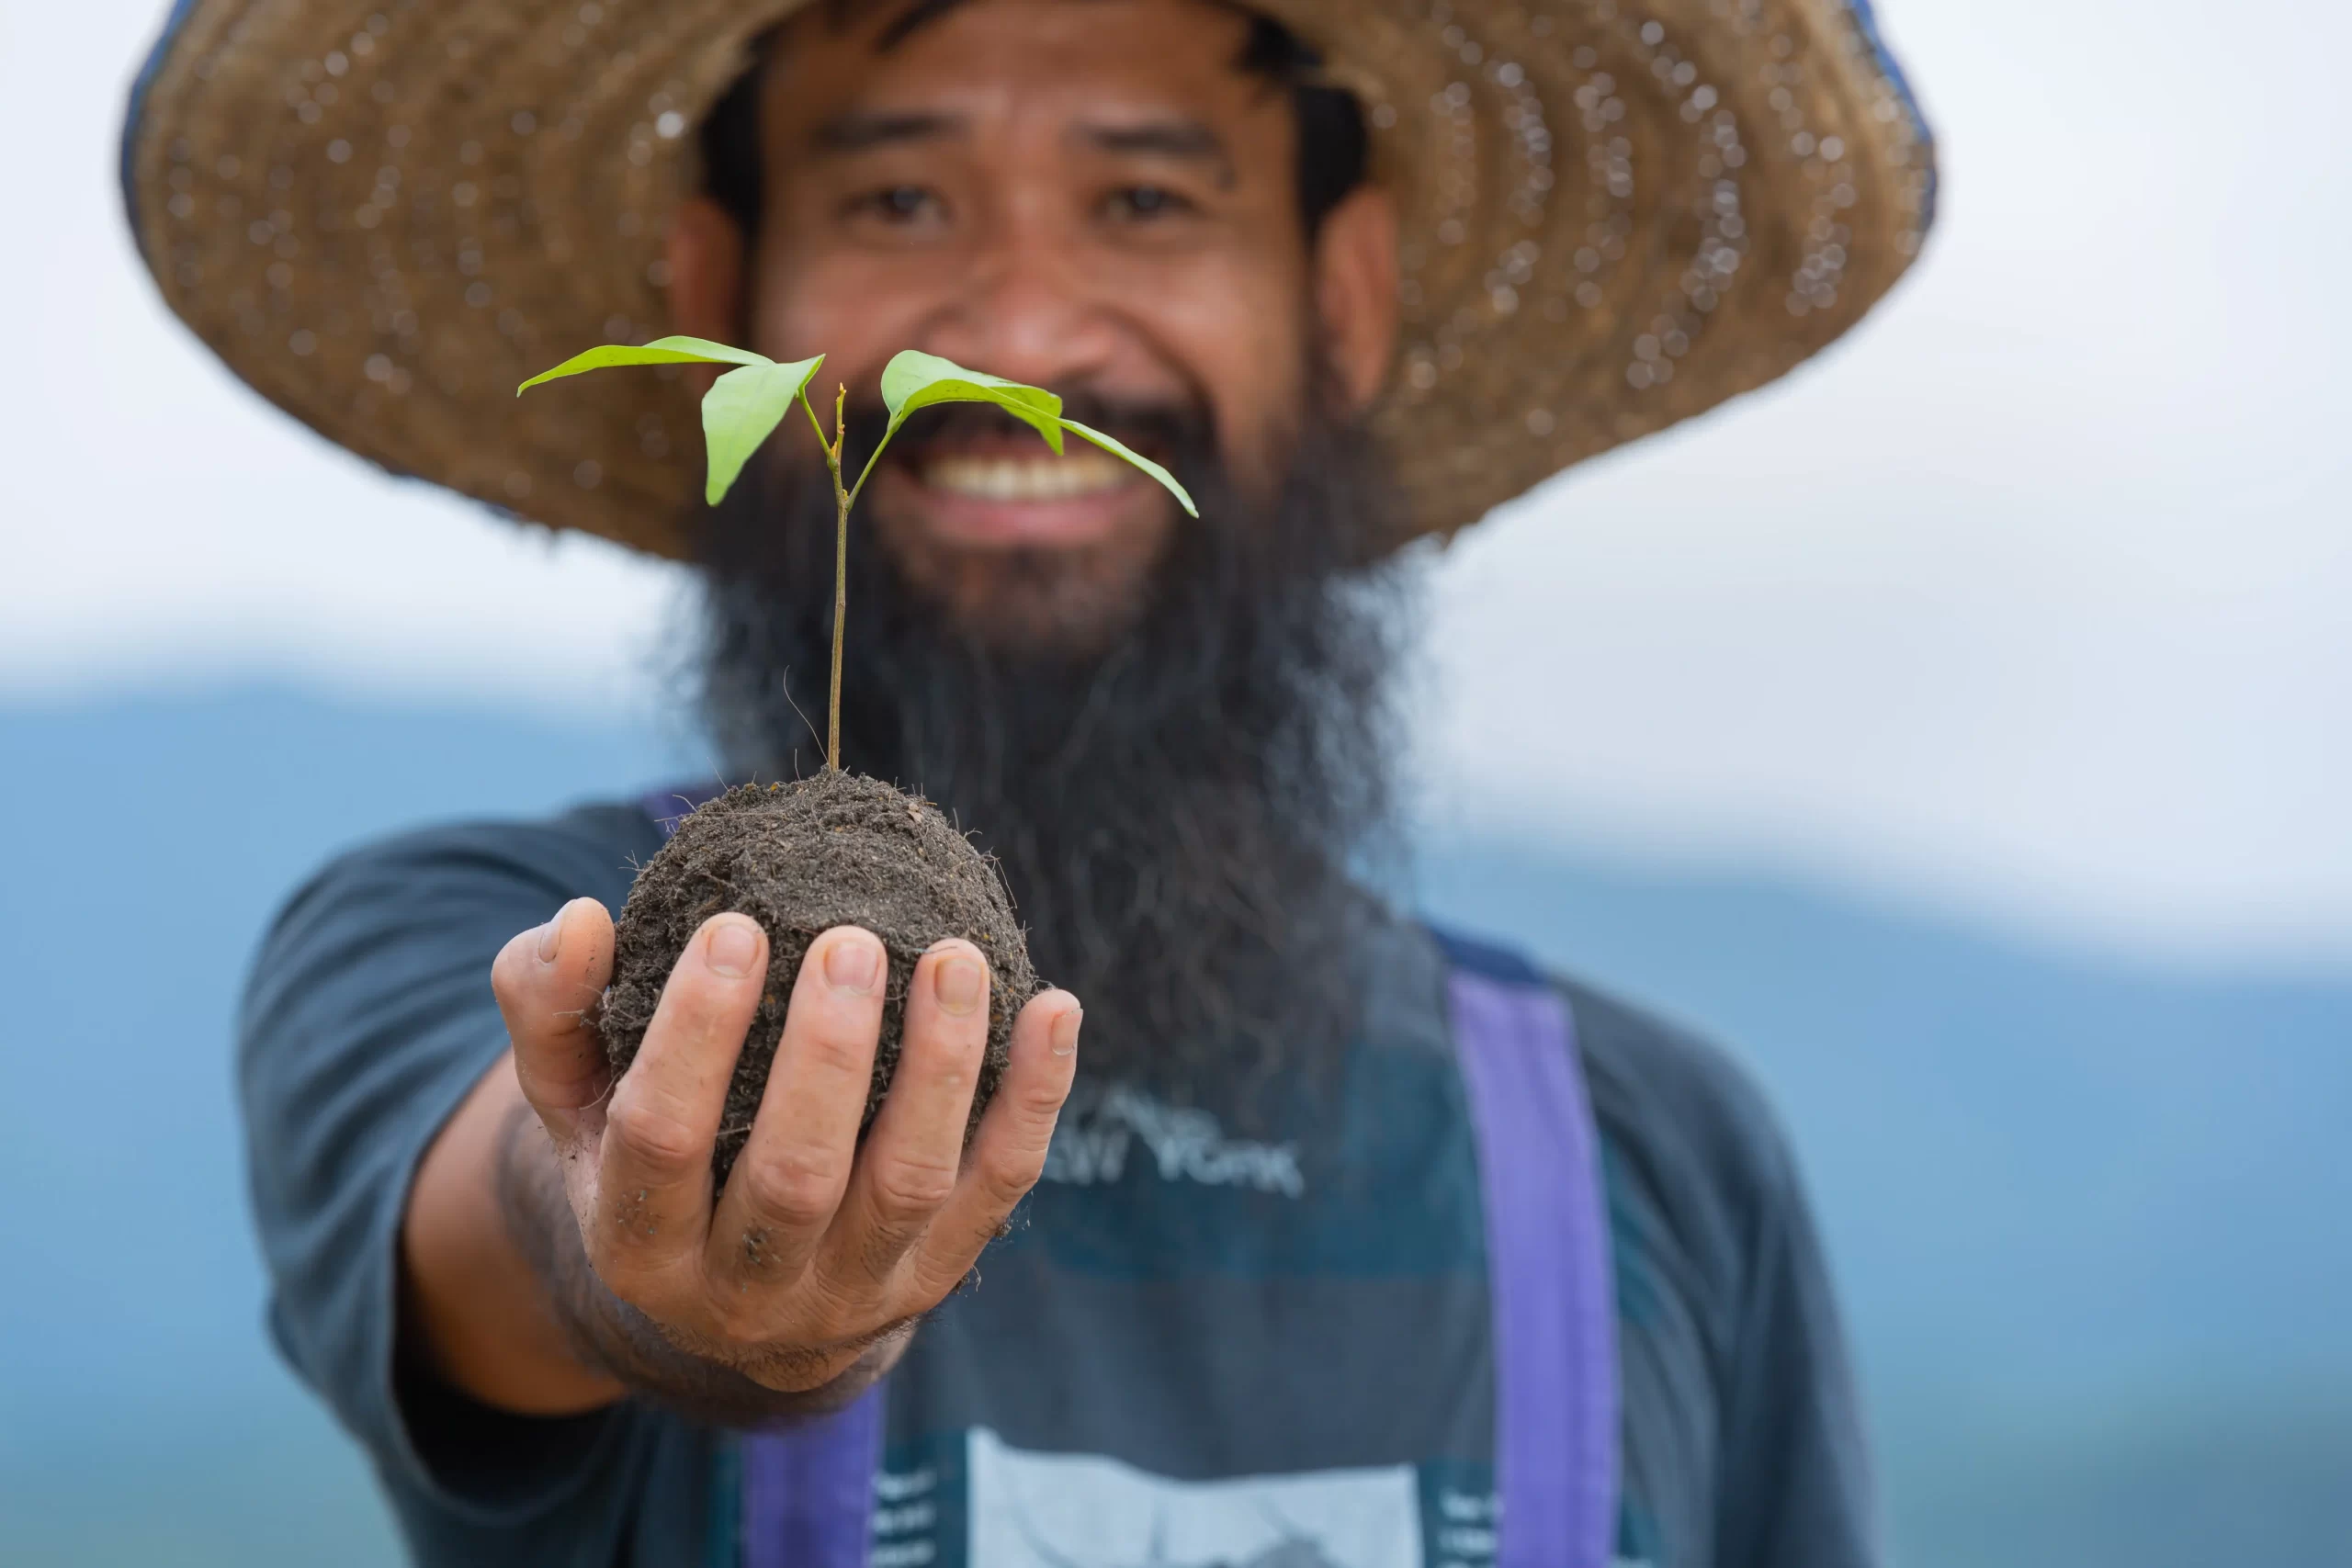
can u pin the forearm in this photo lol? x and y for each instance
(499, 1302)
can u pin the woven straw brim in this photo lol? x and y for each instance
(384, 214)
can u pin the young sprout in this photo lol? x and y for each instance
(745, 404)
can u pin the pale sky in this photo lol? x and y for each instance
(2029, 600)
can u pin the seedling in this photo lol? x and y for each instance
(832, 848)
(744, 406)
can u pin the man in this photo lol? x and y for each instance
(1347, 1245)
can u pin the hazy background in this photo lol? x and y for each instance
(1963, 731)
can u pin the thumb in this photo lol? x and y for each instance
(547, 980)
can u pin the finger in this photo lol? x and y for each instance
(1009, 1151)
(916, 1145)
(547, 981)
(654, 1175)
(789, 1180)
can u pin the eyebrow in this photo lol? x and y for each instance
(863, 131)
(1184, 138)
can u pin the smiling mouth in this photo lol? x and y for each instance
(1073, 475)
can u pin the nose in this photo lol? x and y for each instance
(1027, 310)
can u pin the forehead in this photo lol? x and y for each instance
(1001, 61)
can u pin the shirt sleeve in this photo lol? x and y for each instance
(1744, 1439)
(1797, 1485)
(367, 1017)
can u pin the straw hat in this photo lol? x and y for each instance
(384, 214)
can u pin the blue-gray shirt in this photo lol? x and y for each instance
(1194, 1326)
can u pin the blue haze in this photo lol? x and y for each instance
(2090, 1220)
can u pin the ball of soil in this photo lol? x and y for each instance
(833, 850)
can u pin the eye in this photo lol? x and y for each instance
(900, 204)
(1143, 203)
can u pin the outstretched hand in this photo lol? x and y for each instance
(818, 1247)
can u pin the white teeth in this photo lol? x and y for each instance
(1025, 479)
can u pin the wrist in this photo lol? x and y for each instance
(473, 1311)
(615, 1348)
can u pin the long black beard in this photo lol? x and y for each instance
(1178, 811)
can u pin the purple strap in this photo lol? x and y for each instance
(1548, 1269)
(809, 1490)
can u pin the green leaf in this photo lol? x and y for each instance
(916, 380)
(660, 351)
(1117, 449)
(740, 410)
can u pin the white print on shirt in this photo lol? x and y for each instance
(1038, 1510)
(906, 1517)
(1099, 1125)
(1465, 1528)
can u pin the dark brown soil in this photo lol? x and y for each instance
(833, 850)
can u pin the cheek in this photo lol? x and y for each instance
(1243, 335)
(844, 308)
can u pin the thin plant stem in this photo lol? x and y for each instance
(840, 577)
(815, 423)
(862, 478)
(872, 460)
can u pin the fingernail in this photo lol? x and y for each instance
(551, 936)
(853, 963)
(958, 981)
(1065, 1035)
(734, 945)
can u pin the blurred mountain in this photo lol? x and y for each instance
(2088, 1218)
